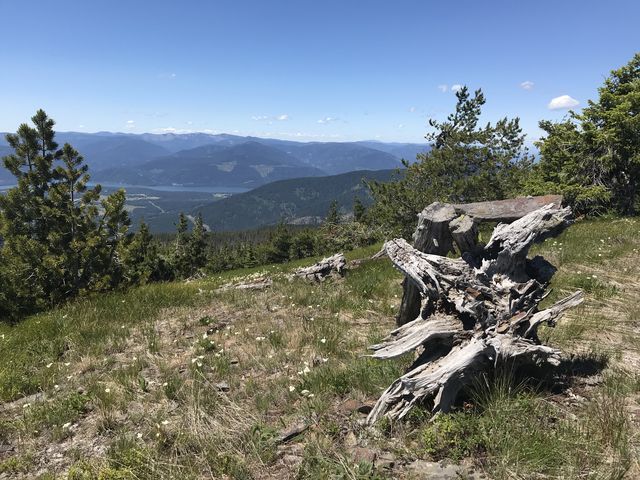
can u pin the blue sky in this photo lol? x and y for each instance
(302, 69)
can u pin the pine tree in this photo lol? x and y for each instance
(593, 157)
(197, 246)
(466, 163)
(359, 210)
(140, 257)
(333, 214)
(180, 258)
(56, 241)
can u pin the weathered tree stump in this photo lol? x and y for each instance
(440, 225)
(476, 311)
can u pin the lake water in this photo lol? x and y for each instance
(164, 188)
(178, 188)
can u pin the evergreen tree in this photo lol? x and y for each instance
(197, 246)
(56, 241)
(466, 163)
(140, 258)
(593, 157)
(280, 245)
(359, 210)
(180, 258)
(333, 214)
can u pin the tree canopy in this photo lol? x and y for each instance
(467, 162)
(593, 157)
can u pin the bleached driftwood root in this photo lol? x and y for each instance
(330, 266)
(441, 225)
(477, 311)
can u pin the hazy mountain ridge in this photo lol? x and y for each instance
(298, 200)
(248, 164)
(174, 159)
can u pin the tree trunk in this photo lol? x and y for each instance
(441, 224)
(477, 311)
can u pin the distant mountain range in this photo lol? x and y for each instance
(247, 165)
(200, 159)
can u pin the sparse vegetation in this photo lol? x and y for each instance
(179, 379)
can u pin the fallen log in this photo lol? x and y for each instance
(476, 312)
(327, 267)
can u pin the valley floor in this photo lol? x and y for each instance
(184, 380)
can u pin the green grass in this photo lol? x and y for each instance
(136, 374)
(37, 349)
(517, 432)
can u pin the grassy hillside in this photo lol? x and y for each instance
(181, 380)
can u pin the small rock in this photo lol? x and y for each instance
(363, 454)
(421, 469)
(386, 460)
(6, 449)
(292, 432)
(222, 387)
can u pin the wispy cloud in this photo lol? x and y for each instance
(131, 124)
(456, 88)
(167, 76)
(412, 109)
(183, 130)
(326, 120)
(443, 88)
(527, 85)
(261, 118)
(563, 102)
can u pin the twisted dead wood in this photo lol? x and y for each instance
(476, 312)
(327, 267)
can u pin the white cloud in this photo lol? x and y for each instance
(562, 102)
(325, 120)
(456, 88)
(131, 124)
(167, 76)
(443, 88)
(412, 109)
(401, 125)
(261, 118)
(527, 85)
(80, 126)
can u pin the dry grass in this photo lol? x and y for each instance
(185, 381)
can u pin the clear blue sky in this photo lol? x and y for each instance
(305, 69)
